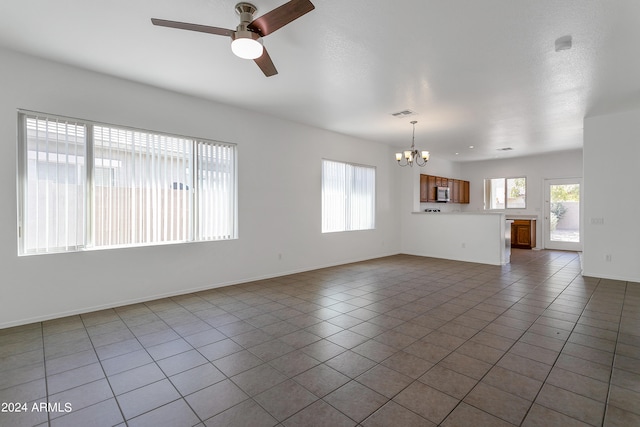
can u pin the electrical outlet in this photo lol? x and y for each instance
(597, 221)
(464, 245)
(607, 257)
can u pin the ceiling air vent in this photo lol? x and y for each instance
(504, 149)
(403, 114)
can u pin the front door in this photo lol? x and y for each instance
(563, 214)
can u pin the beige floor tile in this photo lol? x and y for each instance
(571, 404)
(297, 398)
(496, 402)
(356, 401)
(466, 415)
(385, 381)
(426, 401)
(318, 414)
(539, 416)
(448, 381)
(247, 413)
(392, 414)
(321, 380)
(513, 382)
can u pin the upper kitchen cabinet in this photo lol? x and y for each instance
(454, 190)
(464, 191)
(458, 189)
(424, 188)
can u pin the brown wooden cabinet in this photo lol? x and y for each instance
(523, 234)
(432, 192)
(424, 188)
(454, 188)
(458, 189)
(464, 192)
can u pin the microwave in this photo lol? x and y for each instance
(442, 194)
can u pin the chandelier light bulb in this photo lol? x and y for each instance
(413, 155)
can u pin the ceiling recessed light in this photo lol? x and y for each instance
(457, 154)
(471, 146)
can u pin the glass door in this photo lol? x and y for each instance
(563, 214)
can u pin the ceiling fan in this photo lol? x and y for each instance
(246, 40)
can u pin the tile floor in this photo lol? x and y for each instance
(397, 341)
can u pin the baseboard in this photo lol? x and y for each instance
(122, 303)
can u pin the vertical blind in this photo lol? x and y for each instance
(90, 185)
(54, 185)
(141, 187)
(348, 197)
(216, 191)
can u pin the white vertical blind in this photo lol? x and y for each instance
(348, 197)
(147, 188)
(216, 191)
(148, 172)
(53, 178)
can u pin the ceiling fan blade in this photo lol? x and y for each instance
(265, 64)
(280, 16)
(192, 27)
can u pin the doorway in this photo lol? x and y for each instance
(563, 214)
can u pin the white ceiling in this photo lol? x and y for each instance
(476, 72)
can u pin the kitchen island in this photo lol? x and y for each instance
(462, 236)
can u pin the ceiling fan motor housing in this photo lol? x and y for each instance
(245, 43)
(246, 12)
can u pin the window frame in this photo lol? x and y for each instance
(88, 213)
(348, 226)
(488, 193)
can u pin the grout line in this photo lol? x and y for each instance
(46, 378)
(103, 371)
(363, 278)
(615, 354)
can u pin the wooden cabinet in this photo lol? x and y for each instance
(454, 189)
(464, 191)
(458, 189)
(424, 188)
(523, 234)
(427, 188)
(432, 191)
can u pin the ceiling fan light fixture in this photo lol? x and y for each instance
(247, 45)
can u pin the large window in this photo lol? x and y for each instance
(86, 185)
(505, 193)
(348, 197)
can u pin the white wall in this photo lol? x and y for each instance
(562, 164)
(611, 181)
(279, 197)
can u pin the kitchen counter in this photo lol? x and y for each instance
(463, 236)
(526, 217)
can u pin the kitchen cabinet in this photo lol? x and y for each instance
(454, 189)
(464, 191)
(523, 234)
(432, 191)
(424, 188)
(458, 189)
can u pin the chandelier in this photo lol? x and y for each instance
(413, 155)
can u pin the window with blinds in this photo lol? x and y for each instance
(348, 197)
(86, 185)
